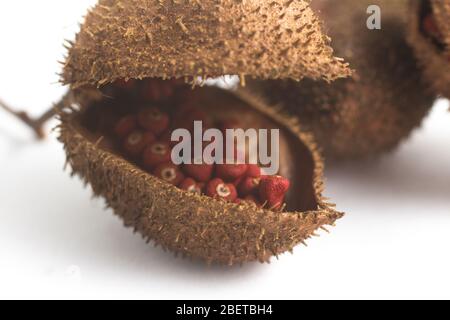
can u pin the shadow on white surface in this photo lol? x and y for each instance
(49, 223)
(399, 176)
(418, 171)
(393, 243)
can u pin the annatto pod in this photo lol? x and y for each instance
(429, 34)
(162, 40)
(372, 112)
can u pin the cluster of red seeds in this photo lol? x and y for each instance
(145, 139)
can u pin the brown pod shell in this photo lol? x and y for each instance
(434, 59)
(194, 225)
(378, 108)
(138, 39)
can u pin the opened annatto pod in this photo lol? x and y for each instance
(372, 112)
(429, 34)
(131, 71)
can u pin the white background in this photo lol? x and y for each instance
(57, 243)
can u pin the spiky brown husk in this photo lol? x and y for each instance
(372, 113)
(209, 38)
(434, 60)
(199, 226)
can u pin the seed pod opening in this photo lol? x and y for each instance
(378, 108)
(429, 34)
(125, 69)
(190, 223)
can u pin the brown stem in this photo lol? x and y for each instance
(36, 124)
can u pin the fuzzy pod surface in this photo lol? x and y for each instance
(375, 110)
(172, 39)
(433, 57)
(138, 39)
(199, 226)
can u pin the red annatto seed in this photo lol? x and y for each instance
(125, 126)
(200, 172)
(230, 124)
(151, 90)
(238, 181)
(136, 142)
(191, 185)
(230, 172)
(253, 171)
(155, 154)
(166, 137)
(238, 201)
(218, 189)
(429, 25)
(167, 89)
(249, 186)
(272, 191)
(185, 120)
(169, 173)
(154, 120)
(183, 124)
(184, 108)
(237, 153)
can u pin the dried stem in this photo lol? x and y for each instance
(36, 124)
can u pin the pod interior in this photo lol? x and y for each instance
(97, 116)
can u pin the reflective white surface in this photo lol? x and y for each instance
(55, 242)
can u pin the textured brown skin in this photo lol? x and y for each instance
(209, 38)
(434, 61)
(189, 38)
(193, 225)
(375, 111)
